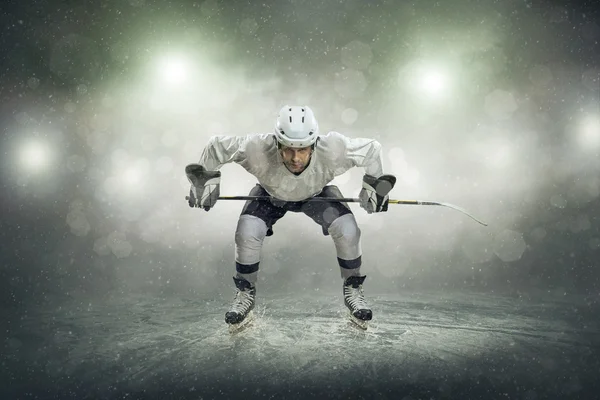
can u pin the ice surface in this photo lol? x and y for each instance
(418, 345)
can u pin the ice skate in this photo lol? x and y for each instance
(240, 313)
(359, 311)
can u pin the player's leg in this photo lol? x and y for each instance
(337, 220)
(255, 222)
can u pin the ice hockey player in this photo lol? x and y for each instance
(292, 165)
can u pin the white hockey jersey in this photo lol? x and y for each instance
(334, 154)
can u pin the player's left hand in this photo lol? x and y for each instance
(374, 195)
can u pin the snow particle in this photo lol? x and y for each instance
(558, 15)
(137, 3)
(119, 52)
(76, 163)
(591, 79)
(249, 26)
(558, 201)
(118, 244)
(594, 243)
(75, 59)
(280, 42)
(82, 89)
(33, 83)
(24, 119)
(76, 204)
(78, 223)
(209, 8)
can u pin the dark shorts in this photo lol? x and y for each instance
(322, 212)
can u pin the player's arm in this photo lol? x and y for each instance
(376, 185)
(205, 177)
(366, 153)
(221, 150)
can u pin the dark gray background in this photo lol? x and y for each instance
(514, 139)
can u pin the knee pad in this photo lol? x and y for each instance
(346, 235)
(249, 236)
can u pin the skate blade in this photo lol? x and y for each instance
(235, 328)
(364, 325)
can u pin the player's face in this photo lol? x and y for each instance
(295, 160)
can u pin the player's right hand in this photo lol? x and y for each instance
(206, 186)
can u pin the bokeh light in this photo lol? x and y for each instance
(426, 80)
(589, 133)
(132, 176)
(433, 82)
(35, 155)
(174, 69)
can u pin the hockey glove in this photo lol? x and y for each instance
(374, 194)
(206, 186)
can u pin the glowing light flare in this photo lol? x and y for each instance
(35, 155)
(179, 82)
(174, 70)
(589, 132)
(432, 82)
(426, 80)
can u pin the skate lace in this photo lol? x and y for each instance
(355, 297)
(242, 302)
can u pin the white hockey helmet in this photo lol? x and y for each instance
(296, 127)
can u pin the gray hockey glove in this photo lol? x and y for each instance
(374, 193)
(206, 186)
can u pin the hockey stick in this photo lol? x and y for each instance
(355, 200)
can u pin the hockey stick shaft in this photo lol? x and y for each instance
(356, 200)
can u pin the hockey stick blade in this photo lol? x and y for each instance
(435, 203)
